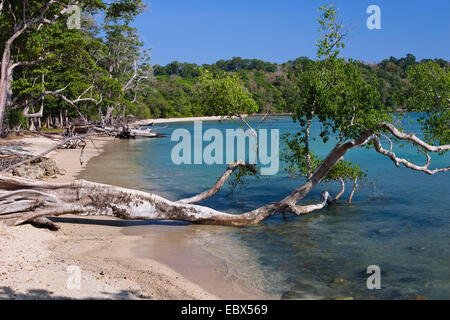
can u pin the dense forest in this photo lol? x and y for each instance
(98, 70)
(273, 86)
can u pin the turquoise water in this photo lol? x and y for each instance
(399, 221)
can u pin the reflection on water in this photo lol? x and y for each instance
(399, 221)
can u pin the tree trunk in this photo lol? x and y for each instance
(4, 83)
(308, 155)
(61, 120)
(342, 189)
(108, 116)
(24, 200)
(355, 186)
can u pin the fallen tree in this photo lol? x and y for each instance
(23, 200)
(334, 92)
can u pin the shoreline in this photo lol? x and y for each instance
(145, 122)
(170, 243)
(34, 262)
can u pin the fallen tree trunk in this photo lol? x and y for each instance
(23, 200)
(26, 200)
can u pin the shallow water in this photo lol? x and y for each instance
(399, 221)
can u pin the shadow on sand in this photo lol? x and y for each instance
(7, 293)
(117, 223)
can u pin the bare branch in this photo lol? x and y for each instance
(397, 161)
(262, 120)
(355, 186)
(12, 14)
(414, 139)
(389, 140)
(134, 78)
(33, 115)
(26, 63)
(248, 125)
(301, 210)
(43, 153)
(58, 94)
(342, 189)
(128, 84)
(219, 183)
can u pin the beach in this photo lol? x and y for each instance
(36, 263)
(185, 119)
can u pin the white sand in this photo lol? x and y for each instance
(188, 119)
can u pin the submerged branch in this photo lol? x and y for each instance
(342, 189)
(301, 210)
(355, 186)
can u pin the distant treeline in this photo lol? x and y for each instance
(271, 84)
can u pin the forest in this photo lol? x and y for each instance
(273, 86)
(99, 71)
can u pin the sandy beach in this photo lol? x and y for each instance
(35, 263)
(186, 119)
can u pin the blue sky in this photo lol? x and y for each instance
(204, 31)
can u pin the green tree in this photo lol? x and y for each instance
(346, 104)
(429, 92)
(43, 57)
(224, 95)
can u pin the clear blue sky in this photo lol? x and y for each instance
(204, 31)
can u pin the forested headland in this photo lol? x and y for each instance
(273, 86)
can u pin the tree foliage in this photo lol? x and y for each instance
(224, 95)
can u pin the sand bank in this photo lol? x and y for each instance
(187, 119)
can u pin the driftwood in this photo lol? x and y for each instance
(30, 159)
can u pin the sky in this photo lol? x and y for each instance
(204, 31)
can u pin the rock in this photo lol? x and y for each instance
(338, 281)
(419, 297)
(39, 169)
(290, 295)
(343, 298)
(49, 167)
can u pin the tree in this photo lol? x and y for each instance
(42, 56)
(224, 95)
(20, 21)
(346, 104)
(302, 163)
(429, 92)
(331, 90)
(128, 67)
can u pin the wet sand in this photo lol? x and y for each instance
(173, 244)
